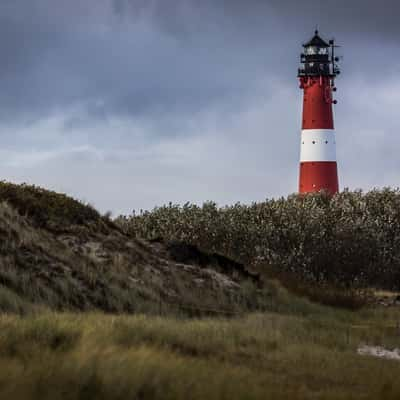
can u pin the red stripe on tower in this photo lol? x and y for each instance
(318, 167)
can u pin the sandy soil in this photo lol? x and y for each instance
(380, 352)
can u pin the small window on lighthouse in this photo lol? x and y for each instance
(323, 50)
(311, 50)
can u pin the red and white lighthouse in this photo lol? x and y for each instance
(318, 167)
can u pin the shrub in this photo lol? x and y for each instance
(351, 239)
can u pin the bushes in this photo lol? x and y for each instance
(351, 239)
(46, 208)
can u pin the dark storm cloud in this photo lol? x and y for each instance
(56, 54)
(355, 16)
(363, 18)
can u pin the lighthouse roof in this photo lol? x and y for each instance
(316, 41)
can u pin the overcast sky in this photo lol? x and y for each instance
(129, 104)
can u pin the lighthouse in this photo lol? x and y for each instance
(318, 166)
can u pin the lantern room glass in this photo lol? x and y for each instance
(313, 50)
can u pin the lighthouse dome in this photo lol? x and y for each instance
(316, 41)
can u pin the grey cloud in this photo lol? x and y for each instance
(175, 55)
(48, 63)
(355, 16)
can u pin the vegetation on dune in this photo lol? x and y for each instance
(58, 253)
(279, 356)
(47, 209)
(349, 240)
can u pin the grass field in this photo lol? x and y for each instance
(306, 352)
(90, 311)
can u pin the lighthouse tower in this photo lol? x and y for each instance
(318, 167)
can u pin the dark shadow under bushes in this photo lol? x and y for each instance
(351, 240)
(349, 298)
(191, 254)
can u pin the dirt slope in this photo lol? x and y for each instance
(88, 263)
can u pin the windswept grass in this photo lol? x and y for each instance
(59, 254)
(46, 208)
(279, 356)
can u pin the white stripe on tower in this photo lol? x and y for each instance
(318, 145)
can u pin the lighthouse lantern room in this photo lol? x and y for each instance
(318, 166)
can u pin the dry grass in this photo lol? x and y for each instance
(93, 356)
(84, 268)
(59, 254)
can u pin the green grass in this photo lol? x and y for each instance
(269, 355)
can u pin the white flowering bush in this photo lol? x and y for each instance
(350, 239)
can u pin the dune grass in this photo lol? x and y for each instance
(311, 354)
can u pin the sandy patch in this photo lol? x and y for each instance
(380, 352)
